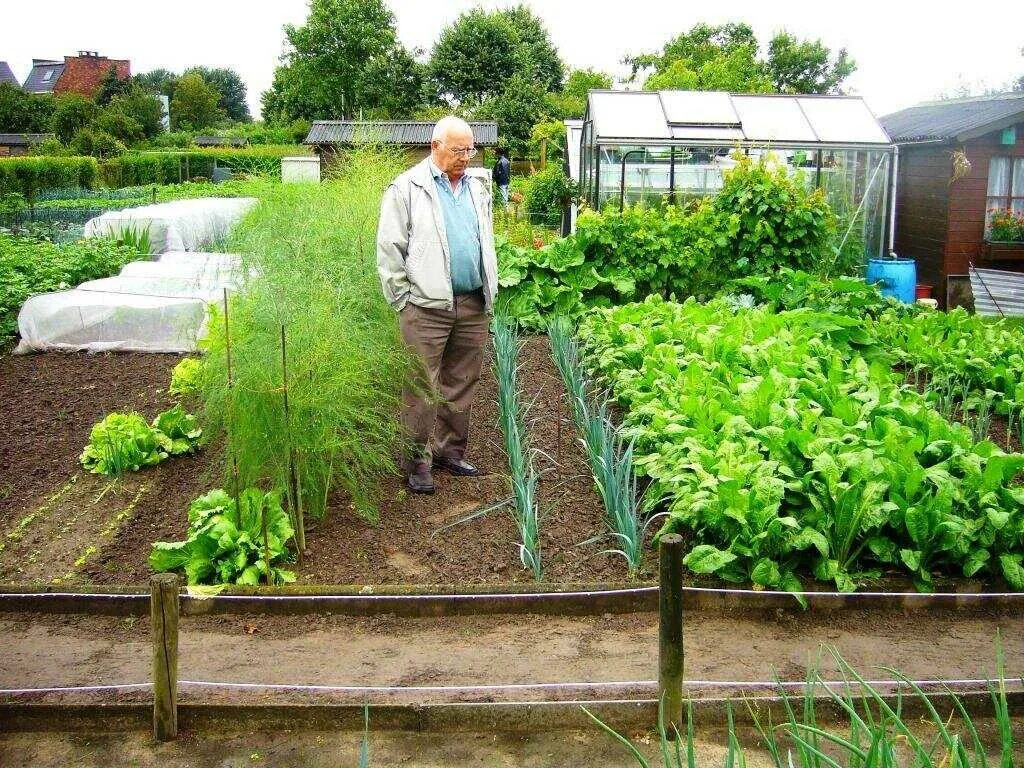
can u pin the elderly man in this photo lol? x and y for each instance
(435, 256)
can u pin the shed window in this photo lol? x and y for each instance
(1005, 186)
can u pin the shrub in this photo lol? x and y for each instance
(760, 222)
(28, 267)
(98, 143)
(140, 168)
(547, 194)
(28, 176)
(72, 113)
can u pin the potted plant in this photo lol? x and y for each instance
(1005, 239)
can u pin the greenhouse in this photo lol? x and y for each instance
(675, 145)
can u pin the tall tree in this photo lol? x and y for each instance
(111, 85)
(520, 106)
(536, 56)
(476, 56)
(338, 63)
(22, 112)
(571, 101)
(142, 107)
(727, 57)
(806, 66)
(194, 106)
(157, 81)
(231, 88)
(72, 113)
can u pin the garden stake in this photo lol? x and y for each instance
(231, 410)
(296, 510)
(163, 624)
(670, 633)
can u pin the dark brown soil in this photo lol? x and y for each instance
(68, 526)
(48, 404)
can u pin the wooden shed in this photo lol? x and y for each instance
(15, 144)
(330, 138)
(959, 161)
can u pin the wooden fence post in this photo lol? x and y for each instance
(163, 623)
(670, 632)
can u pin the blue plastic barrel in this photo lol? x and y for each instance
(895, 277)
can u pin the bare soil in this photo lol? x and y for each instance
(498, 650)
(59, 523)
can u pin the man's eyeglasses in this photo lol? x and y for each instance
(466, 153)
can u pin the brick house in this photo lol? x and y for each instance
(76, 74)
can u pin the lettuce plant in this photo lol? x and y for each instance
(225, 543)
(186, 377)
(124, 442)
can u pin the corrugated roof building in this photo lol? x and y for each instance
(331, 137)
(13, 144)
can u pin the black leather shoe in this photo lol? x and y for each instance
(420, 480)
(453, 466)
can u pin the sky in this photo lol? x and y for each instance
(906, 51)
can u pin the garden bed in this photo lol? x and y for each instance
(51, 401)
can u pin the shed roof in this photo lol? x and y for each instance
(406, 133)
(23, 139)
(678, 116)
(959, 119)
(6, 75)
(38, 81)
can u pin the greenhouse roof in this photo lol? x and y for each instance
(716, 116)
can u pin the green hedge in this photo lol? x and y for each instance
(28, 176)
(171, 167)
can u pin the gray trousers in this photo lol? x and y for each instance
(449, 346)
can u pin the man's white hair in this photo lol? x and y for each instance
(450, 124)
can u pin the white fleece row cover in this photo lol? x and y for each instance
(151, 306)
(182, 225)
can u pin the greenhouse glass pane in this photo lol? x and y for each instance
(843, 120)
(699, 107)
(699, 170)
(647, 171)
(698, 133)
(773, 118)
(628, 114)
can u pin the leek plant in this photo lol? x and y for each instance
(523, 476)
(309, 261)
(609, 455)
(878, 734)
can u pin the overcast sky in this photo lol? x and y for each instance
(906, 51)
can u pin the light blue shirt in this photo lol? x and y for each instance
(463, 230)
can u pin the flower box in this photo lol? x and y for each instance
(1003, 250)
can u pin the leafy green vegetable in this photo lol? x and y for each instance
(225, 546)
(186, 377)
(762, 220)
(124, 442)
(785, 441)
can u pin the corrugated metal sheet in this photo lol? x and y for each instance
(997, 292)
(23, 139)
(943, 120)
(406, 133)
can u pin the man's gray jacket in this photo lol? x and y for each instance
(413, 259)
